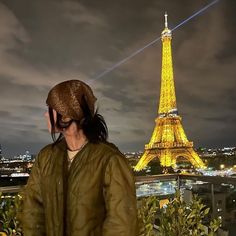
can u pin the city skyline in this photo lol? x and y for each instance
(54, 41)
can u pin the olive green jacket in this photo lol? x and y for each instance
(96, 197)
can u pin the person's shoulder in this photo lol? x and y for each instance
(52, 147)
(45, 150)
(109, 148)
(112, 153)
(115, 158)
(42, 156)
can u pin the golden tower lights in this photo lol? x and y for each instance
(168, 141)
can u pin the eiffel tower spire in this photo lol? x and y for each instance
(166, 20)
(169, 141)
(167, 96)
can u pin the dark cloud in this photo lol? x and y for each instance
(4, 114)
(138, 131)
(114, 132)
(222, 119)
(33, 110)
(56, 40)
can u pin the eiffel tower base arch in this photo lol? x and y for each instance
(168, 157)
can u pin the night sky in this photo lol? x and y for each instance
(45, 42)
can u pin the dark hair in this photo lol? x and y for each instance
(93, 125)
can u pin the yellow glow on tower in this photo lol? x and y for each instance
(168, 141)
(167, 95)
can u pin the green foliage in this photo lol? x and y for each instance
(181, 218)
(146, 215)
(9, 208)
(178, 218)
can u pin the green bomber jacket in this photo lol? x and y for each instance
(95, 197)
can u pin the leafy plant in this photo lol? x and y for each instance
(9, 208)
(177, 218)
(146, 215)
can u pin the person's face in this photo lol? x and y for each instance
(46, 114)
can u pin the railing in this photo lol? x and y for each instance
(178, 177)
(219, 193)
(151, 178)
(11, 189)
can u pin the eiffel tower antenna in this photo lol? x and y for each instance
(166, 20)
(168, 142)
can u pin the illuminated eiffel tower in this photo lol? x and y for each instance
(168, 141)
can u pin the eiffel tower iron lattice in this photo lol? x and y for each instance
(169, 141)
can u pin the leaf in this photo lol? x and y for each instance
(206, 211)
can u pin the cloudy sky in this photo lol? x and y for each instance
(45, 42)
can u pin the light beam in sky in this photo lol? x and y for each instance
(195, 14)
(152, 42)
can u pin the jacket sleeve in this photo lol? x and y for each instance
(32, 218)
(120, 199)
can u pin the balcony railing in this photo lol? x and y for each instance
(218, 193)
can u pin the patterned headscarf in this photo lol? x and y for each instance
(67, 98)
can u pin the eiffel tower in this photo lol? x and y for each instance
(169, 141)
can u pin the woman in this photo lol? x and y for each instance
(80, 185)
